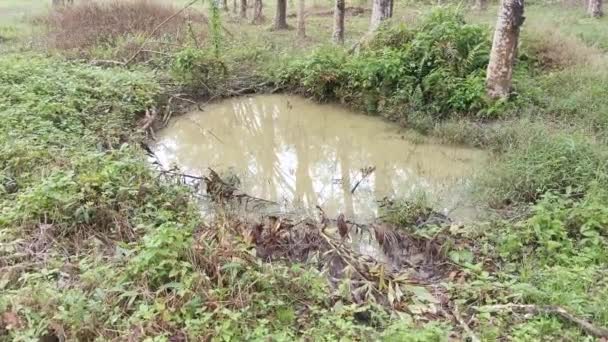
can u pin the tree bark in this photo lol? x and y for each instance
(225, 5)
(481, 5)
(301, 18)
(504, 48)
(243, 13)
(258, 16)
(235, 6)
(381, 10)
(280, 18)
(594, 8)
(57, 3)
(339, 10)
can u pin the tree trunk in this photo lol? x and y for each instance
(481, 5)
(301, 18)
(235, 6)
(381, 10)
(280, 18)
(225, 5)
(339, 10)
(258, 16)
(595, 8)
(243, 13)
(504, 48)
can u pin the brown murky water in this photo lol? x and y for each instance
(302, 154)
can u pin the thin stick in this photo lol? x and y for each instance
(548, 309)
(456, 314)
(156, 29)
(366, 174)
(184, 175)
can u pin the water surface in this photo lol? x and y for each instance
(302, 154)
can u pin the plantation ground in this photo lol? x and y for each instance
(96, 244)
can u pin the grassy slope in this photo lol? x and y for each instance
(87, 230)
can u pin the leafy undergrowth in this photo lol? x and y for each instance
(431, 71)
(95, 245)
(559, 163)
(556, 257)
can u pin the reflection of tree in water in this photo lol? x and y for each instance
(304, 188)
(297, 153)
(345, 168)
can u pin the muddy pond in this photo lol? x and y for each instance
(301, 154)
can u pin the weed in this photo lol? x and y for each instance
(546, 163)
(112, 24)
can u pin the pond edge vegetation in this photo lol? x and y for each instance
(87, 229)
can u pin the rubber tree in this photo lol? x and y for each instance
(280, 16)
(338, 35)
(481, 5)
(594, 8)
(301, 18)
(381, 10)
(258, 16)
(243, 12)
(504, 48)
(57, 3)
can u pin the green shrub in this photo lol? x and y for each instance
(437, 68)
(199, 68)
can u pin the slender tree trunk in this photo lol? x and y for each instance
(594, 8)
(225, 5)
(504, 48)
(381, 10)
(235, 6)
(243, 13)
(280, 18)
(301, 18)
(481, 5)
(258, 16)
(339, 10)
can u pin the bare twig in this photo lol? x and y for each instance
(103, 62)
(156, 29)
(178, 96)
(365, 173)
(548, 309)
(456, 314)
(157, 52)
(179, 174)
(149, 119)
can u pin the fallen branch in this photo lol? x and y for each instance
(104, 62)
(219, 189)
(148, 120)
(158, 52)
(179, 174)
(456, 314)
(156, 29)
(548, 309)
